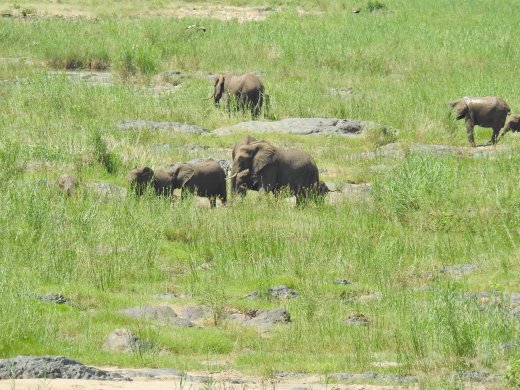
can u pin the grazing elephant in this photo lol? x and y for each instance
(247, 89)
(488, 111)
(512, 124)
(205, 178)
(264, 166)
(161, 181)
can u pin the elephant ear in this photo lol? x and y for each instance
(264, 156)
(184, 173)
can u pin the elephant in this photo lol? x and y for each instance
(161, 180)
(487, 111)
(243, 177)
(260, 165)
(512, 124)
(206, 179)
(247, 89)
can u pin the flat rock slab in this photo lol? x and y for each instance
(163, 314)
(264, 319)
(167, 127)
(398, 150)
(372, 376)
(278, 292)
(151, 373)
(50, 367)
(306, 126)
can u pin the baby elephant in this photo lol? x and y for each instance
(512, 124)
(161, 181)
(205, 178)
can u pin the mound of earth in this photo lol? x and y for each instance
(50, 367)
(307, 126)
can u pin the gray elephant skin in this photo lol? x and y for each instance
(244, 177)
(512, 124)
(486, 111)
(206, 179)
(264, 166)
(161, 181)
(247, 90)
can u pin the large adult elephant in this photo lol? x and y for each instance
(487, 111)
(244, 178)
(262, 165)
(247, 90)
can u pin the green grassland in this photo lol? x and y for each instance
(403, 64)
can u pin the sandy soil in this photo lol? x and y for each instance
(220, 381)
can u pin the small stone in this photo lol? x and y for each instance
(343, 282)
(358, 319)
(194, 312)
(52, 298)
(253, 295)
(121, 340)
(282, 292)
(205, 266)
(458, 271)
(68, 184)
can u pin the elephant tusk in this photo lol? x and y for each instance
(232, 177)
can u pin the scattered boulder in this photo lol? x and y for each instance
(253, 295)
(122, 340)
(264, 319)
(471, 376)
(282, 292)
(68, 184)
(163, 314)
(52, 367)
(168, 127)
(306, 126)
(459, 270)
(357, 319)
(372, 376)
(194, 312)
(343, 282)
(106, 190)
(52, 297)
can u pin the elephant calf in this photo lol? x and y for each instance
(205, 178)
(512, 124)
(160, 180)
(247, 89)
(487, 111)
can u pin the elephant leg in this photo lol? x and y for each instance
(469, 130)
(494, 136)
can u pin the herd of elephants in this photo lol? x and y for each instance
(259, 165)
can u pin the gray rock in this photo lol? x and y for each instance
(253, 294)
(344, 92)
(282, 292)
(106, 190)
(471, 376)
(52, 298)
(121, 340)
(305, 126)
(163, 314)
(373, 377)
(397, 150)
(168, 127)
(68, 184)
(194, 312)
(264, 319)
(343, 282)
(152, 373)
(52, 367)
(459, 270)
(357, 319)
